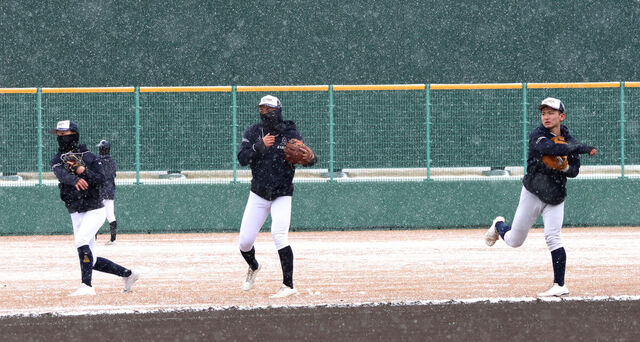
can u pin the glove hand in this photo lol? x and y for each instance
(73, 162)
(296, 152)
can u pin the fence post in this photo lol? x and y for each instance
(331, 142)
(39, 111)
(428, 128)
(622, 120)
(137, 111)
(525, 143)
(234, 128)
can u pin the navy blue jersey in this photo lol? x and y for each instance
(108, 189)
(548, 184)
(272, 174)
(80, 200)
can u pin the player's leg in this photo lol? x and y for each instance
(255, 213)
(85, 241)
(553, 217)
(111, 217)
(280, 222)
(129, 277)
(85, 226)
(529, 208)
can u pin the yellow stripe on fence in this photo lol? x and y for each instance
(18, 90)
(89, 90)
(475, 86)
(574, 85)
(632, 84)
(283, 88)
(185, 89)
(379, 87)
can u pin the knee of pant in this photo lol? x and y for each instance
(516, 244)
(281, 240)
(511, 242)
(82, 241)
(553, 242)
(246, 246)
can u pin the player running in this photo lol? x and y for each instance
(553, 156)
(81, 174)
(271, 189)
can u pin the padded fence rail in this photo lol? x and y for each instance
(359, 132)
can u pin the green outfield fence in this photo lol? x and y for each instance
(415, 126)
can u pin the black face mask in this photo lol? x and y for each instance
(68, 142)
(104, 151)
(272, 121)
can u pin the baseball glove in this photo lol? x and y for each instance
(296, 152)
(72, 161)
(559, 163)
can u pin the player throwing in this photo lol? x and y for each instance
(81, 174)
(262, 149)
(553, 156)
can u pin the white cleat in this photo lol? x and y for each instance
(285, 291)
(128, 281)
(491, 236)
(84, 290)
(109, 243)
(555, 291)
(247, 284)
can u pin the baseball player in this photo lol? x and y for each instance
(553, 156)
(271, 189)
(108, 189)
(80, 174)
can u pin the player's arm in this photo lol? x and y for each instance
(574, 165)
(252, 146)
(545, 145)
(93, 171)
(63, 174)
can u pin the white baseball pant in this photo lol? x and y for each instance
(255, 214)
(529, 208)
(85, 227)
(108, 206)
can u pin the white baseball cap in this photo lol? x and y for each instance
(552, 103)
(270, 101)
(64, 125)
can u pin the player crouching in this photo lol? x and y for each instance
(80, 174)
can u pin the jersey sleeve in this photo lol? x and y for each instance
(94, 171)
(63, 175)
(544, 145)
(247, 148)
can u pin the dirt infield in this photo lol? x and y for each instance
(203, 272)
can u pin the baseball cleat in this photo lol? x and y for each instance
(247, 284)
(84, 290)
(555, 291)
(491, 236)
(284, 291)
(128, 281)
(109, 243)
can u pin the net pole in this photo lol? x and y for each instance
(524, 129)
(234, 128)
(331, 142)
(622, 119)
(428, 128)
(137, 110)
(39, 111)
